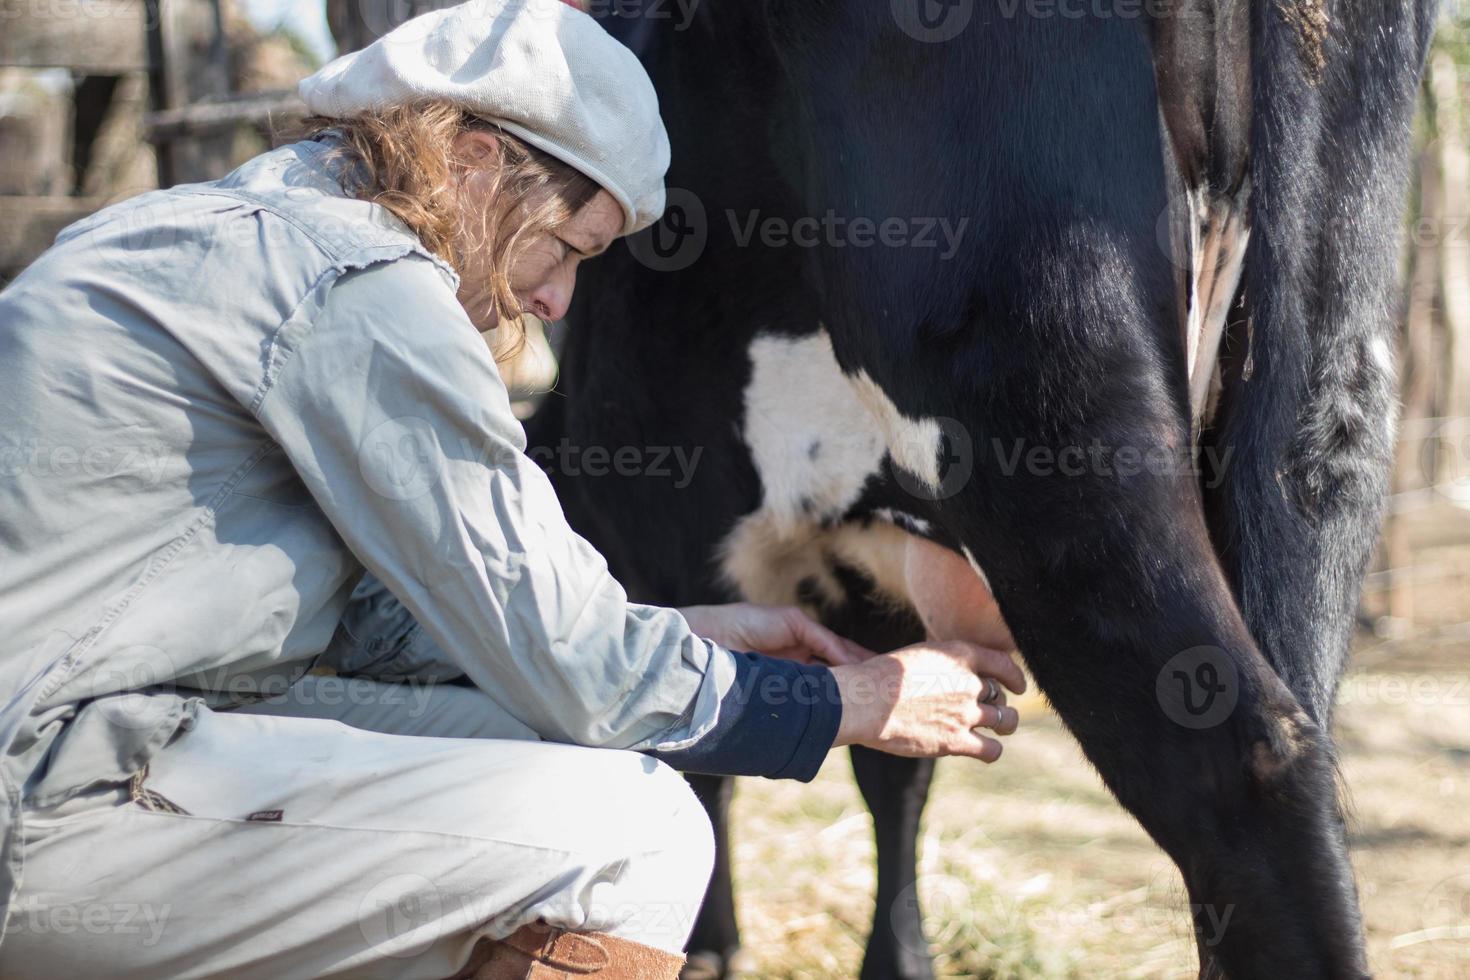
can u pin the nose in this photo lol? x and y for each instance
(551, 299)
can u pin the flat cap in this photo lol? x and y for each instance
(540, 69)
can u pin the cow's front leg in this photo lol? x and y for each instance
(896, 790)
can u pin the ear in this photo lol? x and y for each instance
(476, 148)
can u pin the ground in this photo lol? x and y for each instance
(1029, 869)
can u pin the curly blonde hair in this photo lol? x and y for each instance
(408, 163)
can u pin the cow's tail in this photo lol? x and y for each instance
(1304, 433)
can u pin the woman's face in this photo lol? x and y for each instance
(543, 276)
(545, 273)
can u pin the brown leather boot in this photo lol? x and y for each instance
(541, 952)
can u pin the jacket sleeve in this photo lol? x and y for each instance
(778, 719)
(378, 637)
(394, 415)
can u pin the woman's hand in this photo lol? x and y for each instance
(929, 700)
(776, 631)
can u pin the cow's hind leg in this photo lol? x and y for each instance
(715, 940)
(895, 789)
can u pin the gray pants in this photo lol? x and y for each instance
(354, 829)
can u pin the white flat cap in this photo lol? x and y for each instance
(539, 69)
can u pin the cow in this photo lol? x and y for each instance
(1133, 411)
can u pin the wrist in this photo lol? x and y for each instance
(867, 701)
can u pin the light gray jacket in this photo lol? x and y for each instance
(219, 404)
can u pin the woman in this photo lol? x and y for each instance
(304, 672)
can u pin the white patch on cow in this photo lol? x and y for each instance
(914, 444)
(908, 522)
(1217, 240)
(970, 557)
(879, 550)
(1381, 355)
(768, 563)
(816, 436)
(813, 442)
(811, 428)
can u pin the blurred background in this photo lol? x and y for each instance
(1028, 868)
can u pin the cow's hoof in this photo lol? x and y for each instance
(703, 966)
(739, 963)
(909, 971)
(706, 964)
(901, 968)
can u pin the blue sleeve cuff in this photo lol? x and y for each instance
(778, 720)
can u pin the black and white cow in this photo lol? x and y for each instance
(1140, 390)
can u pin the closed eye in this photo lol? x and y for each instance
(593, 250)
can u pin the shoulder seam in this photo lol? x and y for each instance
(406, 241)
(277, 360)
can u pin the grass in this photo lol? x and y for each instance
(1030, 870)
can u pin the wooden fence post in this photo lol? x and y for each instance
(1454, 284)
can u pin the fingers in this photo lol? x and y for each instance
(978, 746)
(857, 651)
(931, 701)
(998, 718)
(825, 645)
(989, 663)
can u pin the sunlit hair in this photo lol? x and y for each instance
(408, 163)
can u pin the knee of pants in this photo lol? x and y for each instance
(664, 871)
(655, 814)
(689, 833)
(604, 809)
(636, 846)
